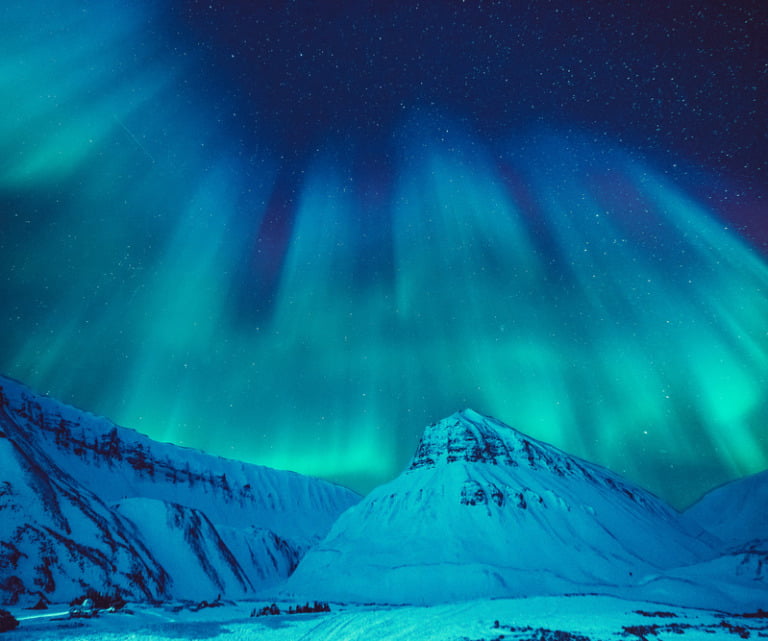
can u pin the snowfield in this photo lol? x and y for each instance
(564, 618)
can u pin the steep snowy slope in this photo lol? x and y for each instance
(56, 537)
(736, 512)
(229, 527)
(484, 510)
(189, 547)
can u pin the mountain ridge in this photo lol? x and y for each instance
(270, 517)
(505, 445)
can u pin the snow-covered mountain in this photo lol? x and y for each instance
(736, 512)
(481, 511)
(484, 510)
(86, 503)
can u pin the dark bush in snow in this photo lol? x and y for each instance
(267, 610)
(7, 621)
(540, 634)
(99, 601)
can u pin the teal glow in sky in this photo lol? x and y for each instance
(166, 264)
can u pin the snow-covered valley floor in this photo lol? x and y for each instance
(538, 618)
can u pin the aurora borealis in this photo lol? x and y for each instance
(297, 235)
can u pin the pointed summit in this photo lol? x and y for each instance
(466, 436)
(470, 437)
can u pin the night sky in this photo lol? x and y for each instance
(296, 234)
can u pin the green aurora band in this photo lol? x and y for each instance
(554, 281)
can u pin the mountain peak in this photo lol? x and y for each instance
(469, 436)
(468, 414)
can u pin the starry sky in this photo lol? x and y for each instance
(295, 233)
